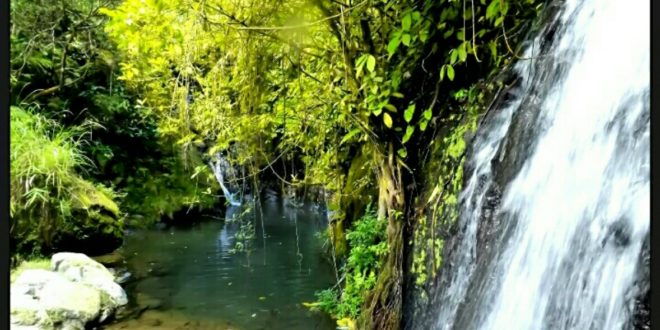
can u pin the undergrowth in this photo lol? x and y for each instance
(45, 185)
(368, 244)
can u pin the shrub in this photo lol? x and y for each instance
(368, 244)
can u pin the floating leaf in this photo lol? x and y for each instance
(460, 35)
(448, 33)
(434, 193)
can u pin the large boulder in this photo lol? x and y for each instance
(46, 300)
(76, 291)
(79, 268)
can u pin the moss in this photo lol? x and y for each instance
(88, 196)
(106, 300)
(39, 263)
(25, 317)
(338, 237)
(438, 210)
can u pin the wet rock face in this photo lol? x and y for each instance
(490, 223)
(641, 313)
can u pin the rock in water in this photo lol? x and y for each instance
(78, 267)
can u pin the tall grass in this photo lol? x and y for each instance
(45, 184)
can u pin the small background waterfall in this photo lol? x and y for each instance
(221, 169)
(554, 225)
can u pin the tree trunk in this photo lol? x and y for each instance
(383, 307)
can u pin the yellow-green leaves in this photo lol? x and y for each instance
(447, 69)
(494, 10)
(409, 132)
(408, 113)
(366, 59)
(393, 44)
(350, 134)
(390, 107)
(406, 22)
(424, 120)
(402, 152)
(405, 39)
(450, 72)
(387, 120)
(371, 63)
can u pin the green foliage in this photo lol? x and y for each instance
(244, 238)
(444, 174)
(64, 67)
(46, 190)
(368, 246)
(355, 93)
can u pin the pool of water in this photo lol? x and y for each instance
(195, 272)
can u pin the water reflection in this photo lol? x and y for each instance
(261, 287)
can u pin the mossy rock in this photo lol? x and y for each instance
(90, 197)
(40, 263)
(96, 226)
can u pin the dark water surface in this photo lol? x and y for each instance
(193, 271)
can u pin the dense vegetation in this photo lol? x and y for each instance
(362, 100)
(80, 140)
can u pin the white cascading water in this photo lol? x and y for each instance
(581, 201)
(220, 166)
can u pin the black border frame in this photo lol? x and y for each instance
(4, 164)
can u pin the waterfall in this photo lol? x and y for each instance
(563, 172)
(220, 166)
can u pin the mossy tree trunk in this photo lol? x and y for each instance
(382, 309)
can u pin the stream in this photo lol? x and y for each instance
(198, 276)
